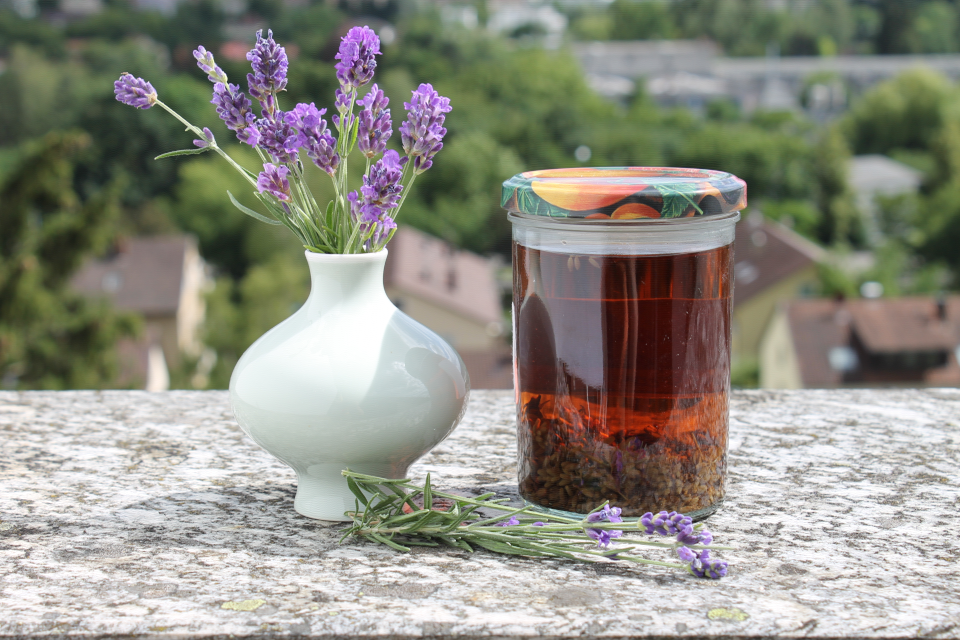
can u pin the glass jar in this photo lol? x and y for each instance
(622, 297)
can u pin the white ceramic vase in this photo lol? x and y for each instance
(347, 381)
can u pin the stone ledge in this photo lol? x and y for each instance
(152, 515)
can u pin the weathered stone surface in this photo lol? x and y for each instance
(135, 514)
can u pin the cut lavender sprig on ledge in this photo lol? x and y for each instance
(400, 514)
(353, 221)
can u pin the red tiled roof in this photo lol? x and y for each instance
(434, 270)
(875, 327)
(902, 324)
(145, 275)
(766, 252)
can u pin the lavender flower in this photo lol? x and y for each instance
(280, 137)
(207, 139)
(604, 536)
(422, 132)
(269, 62)
(315, 138)
(687, 535)
(375, 127)
(357, 63)
(135, 92)
(508, 523)
(341, 100)
(205, 61)
(273, 180)
(665, 524)
(375, 224)
(342, 103)
(382, 186)
(234, 108)
(687, 555)
(701, 565)
(608, 514)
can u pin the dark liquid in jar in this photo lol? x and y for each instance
(623, 370)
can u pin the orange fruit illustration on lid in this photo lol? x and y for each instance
(575, 196)
(634, 210)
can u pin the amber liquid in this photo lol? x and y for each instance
(623, 377)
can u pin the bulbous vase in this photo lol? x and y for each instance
(348, 381)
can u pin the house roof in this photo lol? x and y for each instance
(433, 270)
(904, 324)
(143, 274)
(875, 173)
(822, 329)
(766, 252)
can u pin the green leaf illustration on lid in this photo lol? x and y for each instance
(676, 199)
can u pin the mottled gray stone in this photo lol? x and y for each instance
(136, 514)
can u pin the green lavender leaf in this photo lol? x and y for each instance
(183, 152)
(250, 212)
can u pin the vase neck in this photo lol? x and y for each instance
(349, 279)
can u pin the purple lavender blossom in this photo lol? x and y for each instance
(375, 127)
(374, 223)
(382, 233)
(269, 62)
(607, 514)
(508, 523)
(687, 555)
(701, 565)
(280, 137)
(538, 524)
(234, 108)
(135, 92)
(205, 61)
(315, 138)
(382, 186)
(688, 535)
(665, 524)
(356, 56)
(422, 132)
(273, 180)
(604, 536)
(207, 139)
(341, 100)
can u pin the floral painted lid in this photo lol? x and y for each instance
(624, 193)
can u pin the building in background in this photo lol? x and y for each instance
(691, 73)
(906, 342)
(163, 279)
(773, 265)
(876, 175)
(454, 293)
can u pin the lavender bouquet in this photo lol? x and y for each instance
(401, 514)
(352, 222)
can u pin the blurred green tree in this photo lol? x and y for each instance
(632, 20)
(51, 338)
(904, 112)
(840, 222)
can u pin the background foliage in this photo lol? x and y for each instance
(76, 167)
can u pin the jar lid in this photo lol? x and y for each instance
(624, 193)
